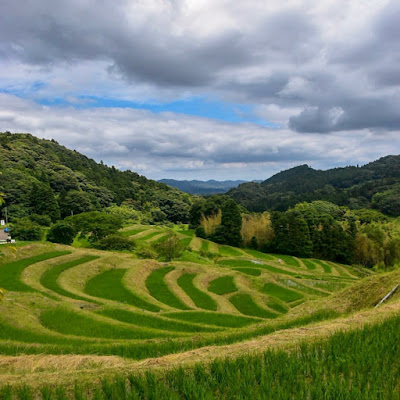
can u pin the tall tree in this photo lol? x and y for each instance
(43, 201)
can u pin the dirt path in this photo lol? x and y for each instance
(38, 369)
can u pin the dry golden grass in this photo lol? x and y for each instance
(257, 225)
(211, 222)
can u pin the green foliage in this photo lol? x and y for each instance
(280, 292)
(246, 305)
(222, 285)
(61, 232)
(169, 248)
(357, 364)
(249, 271)
(96, 225)
(71, 322)
(351, 186)
(42, 220)
(35, 172)
(154, 322)
(116, 242)
(43, 201)
(49, 278)
(217, 319)
(25, 229)
(200, 232)
(200, 299)
(158, 288)
(10, 273)
(108, 285)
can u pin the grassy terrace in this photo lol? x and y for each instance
(136, 309)
(200, 299)
(108, 285)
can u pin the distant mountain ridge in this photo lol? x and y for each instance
(351, 186)
(203, 187)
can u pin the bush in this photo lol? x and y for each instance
(200, 232)
(25, 229)
(115, 242)
(43, 220)
(169, 248)
(146, 252)
(62, 232)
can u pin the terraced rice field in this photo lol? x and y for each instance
(64, 300)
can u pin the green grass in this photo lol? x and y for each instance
(259, 254)
(185, 242)
(327, 268)
(289, 260)
(148, 349)
(361, 364)
(195, 257)
(326, 285)
(217, 319)
(276, 305)
(240, 263)
(10, 273)
(131, 232)
(249, 271)
(149, 236)
(309, 264)
(158, 289)
(222, 285)
(188, 232)
(49, 278)
(154, 322)
(71, 322)
(108, 285)
(281, 292)
(227, 251)
(200, 299)
(302, 288)
(278, 270)
(246, 305)
(205, 244)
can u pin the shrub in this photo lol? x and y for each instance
(146, 252)
(25, 229)
(115, 242)
(200, 232)
(43, 220)
(169, 248)
(62, 232)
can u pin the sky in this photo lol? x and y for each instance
(205, 89)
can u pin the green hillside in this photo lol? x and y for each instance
(376, 184)
(42, 177)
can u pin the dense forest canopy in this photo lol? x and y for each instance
(41, 177)
(374, 185)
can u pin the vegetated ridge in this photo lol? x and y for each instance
(37, 171)
(376, 185)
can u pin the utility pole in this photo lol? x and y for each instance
(5, 211)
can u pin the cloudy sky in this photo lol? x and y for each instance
(205, 89)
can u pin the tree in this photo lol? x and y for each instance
(170, 248)
(75, 202)
(62, 232)
(43, 202)
(115, 242)
(95, 224)
(25, 229)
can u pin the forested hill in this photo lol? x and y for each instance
(32, 167)
(202, 187)
(376, 184)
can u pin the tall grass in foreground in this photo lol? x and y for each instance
(362, 364)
